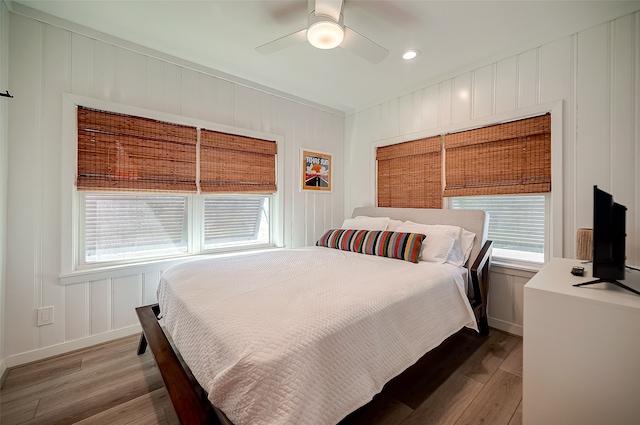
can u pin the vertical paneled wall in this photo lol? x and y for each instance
(46, 61)
(4, 141)
(595, 73)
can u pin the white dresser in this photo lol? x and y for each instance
(581, 360)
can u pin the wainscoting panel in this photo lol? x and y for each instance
(506, 85)
(461, 101)
(407, 113)
(76, 319)
(56, 57)
(126, 296)
(99, 306)
(593, 100)
(430, 102)
(528, 82)
(150, 287)
(483, 92)
(506, 299)
(444, 114)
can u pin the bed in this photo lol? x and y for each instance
(308, 335)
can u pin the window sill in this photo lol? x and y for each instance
(504, 265)
(106, 272)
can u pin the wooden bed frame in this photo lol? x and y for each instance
(190, 400)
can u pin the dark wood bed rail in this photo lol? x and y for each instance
(187, 396)
(480, 282)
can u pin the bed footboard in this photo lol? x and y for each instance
(189, 401)
(480, 281)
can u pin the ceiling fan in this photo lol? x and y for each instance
(326, 30)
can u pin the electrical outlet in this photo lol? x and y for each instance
(45, 316)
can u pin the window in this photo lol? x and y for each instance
(128, 227)
(151, 189)
(232, 221)
(503, 168)
(497, 163)
(516, 224)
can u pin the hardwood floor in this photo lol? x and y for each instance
(469, 379)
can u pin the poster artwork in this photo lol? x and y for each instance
(317, 171)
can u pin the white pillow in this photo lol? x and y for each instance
(438, 242)
(461, 248)
(393, 224)
(366, 223)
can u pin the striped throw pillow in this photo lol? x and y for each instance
(400, 245)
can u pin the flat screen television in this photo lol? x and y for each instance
(609, 234)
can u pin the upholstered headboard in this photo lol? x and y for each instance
(476, 221)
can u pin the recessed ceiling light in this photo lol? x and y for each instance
(410, 54)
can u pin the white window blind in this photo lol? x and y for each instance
(124, 227)
(233, 220)
(516, 223)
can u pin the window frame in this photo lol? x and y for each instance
(553, 207)
(71, 197)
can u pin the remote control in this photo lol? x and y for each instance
(577, 271)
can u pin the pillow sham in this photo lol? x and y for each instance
(366, 223)
(438, 242)
(399, 245)
(461, 248)
(394, 224)
(444, 243)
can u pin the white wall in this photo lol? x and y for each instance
(594, 73)
(4, 141)
(48, 60)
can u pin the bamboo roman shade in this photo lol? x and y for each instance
(233, 163)
(410, 174)
(123, 152)
(508, 158)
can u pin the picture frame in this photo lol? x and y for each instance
(316, 170)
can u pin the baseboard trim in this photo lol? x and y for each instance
(511, 328)
(66, 347)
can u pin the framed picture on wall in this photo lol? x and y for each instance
(316, 171)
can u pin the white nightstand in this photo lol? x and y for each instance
(581, 349)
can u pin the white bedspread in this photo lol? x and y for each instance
(306, 336)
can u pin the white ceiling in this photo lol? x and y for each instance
(453, 36)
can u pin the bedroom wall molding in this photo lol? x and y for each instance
(69, 204)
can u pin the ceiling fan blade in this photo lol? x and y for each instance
(331, 8)
(362, 46)
(283, 42)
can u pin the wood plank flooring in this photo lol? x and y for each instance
(469, 379)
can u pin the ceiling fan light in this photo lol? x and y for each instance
(325, 34)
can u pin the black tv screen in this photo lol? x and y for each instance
(609, 235)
